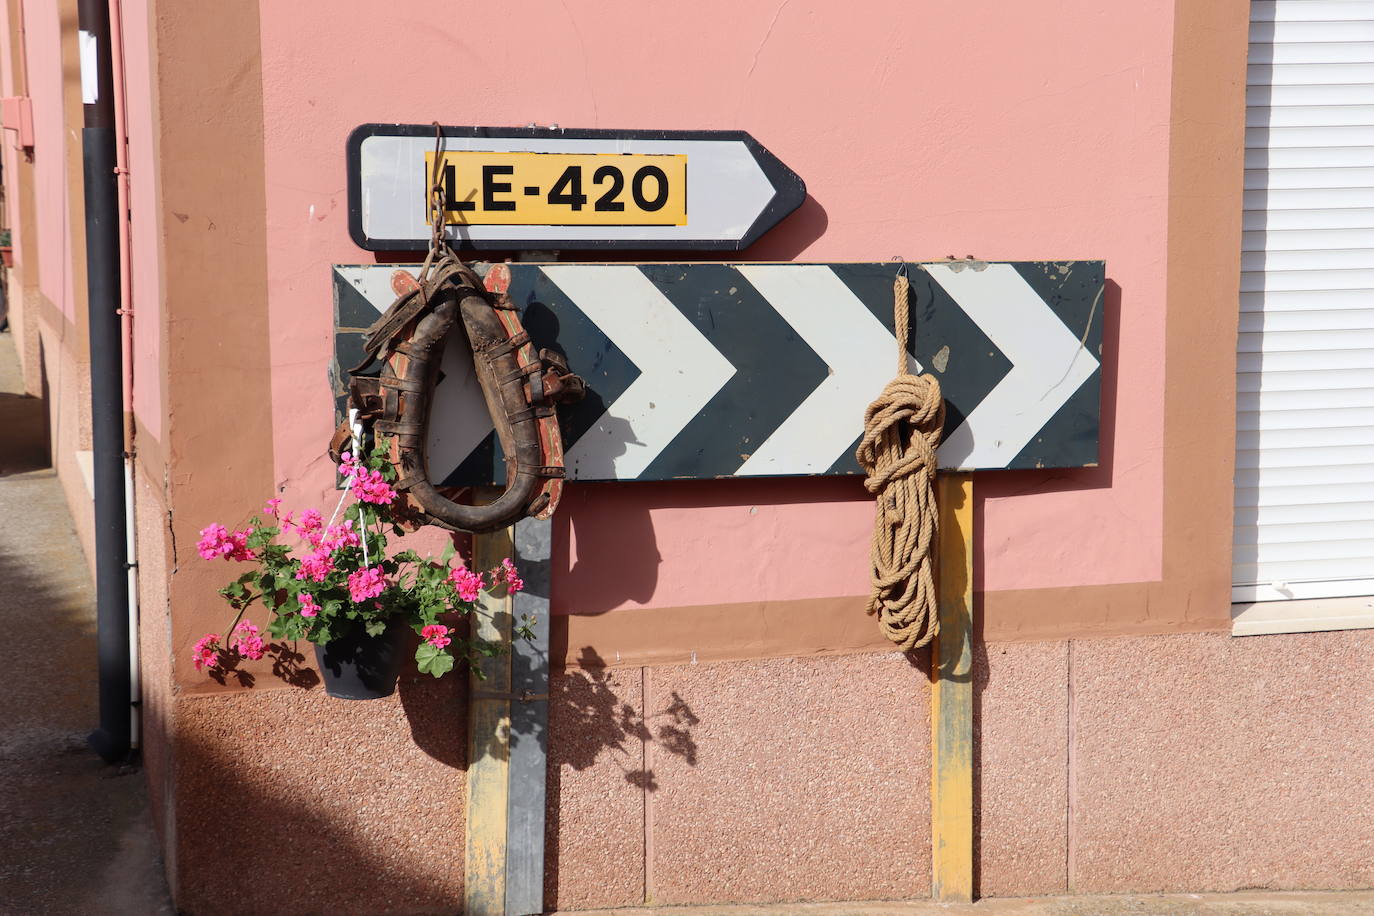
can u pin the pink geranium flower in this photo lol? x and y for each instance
(247, 642)
(371, 487)
(317, 566)
(308, 606)
(467, 582)
(336, 536)
(217, 542)
(512, 579)
(436, 634)
(205, 653)
(366, 583)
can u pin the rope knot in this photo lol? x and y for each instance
(902, 430)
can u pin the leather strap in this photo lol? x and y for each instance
(409, 339)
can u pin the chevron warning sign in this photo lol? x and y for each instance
(731, 370)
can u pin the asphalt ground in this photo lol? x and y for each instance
(74, 832)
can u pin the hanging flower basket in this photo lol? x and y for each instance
(363, 667)
(339, 588)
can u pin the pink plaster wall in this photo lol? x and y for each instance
(9, 148)
(52, 203)
(145, 230)
(1031, 130)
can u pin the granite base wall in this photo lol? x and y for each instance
(1171, 763)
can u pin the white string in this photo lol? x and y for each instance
(357, 429)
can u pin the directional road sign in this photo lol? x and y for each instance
(532, 188)
(736, 370)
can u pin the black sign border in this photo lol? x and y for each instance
(790, 189)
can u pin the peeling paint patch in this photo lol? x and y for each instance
(941, 359)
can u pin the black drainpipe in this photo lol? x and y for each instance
(112, 738)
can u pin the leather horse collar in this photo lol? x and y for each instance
(519, 386)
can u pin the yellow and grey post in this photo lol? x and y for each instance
(951, 697)
(507, 733)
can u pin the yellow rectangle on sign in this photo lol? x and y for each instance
(562, 189)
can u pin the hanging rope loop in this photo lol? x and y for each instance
(902, 429)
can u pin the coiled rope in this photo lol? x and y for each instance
(901, 431)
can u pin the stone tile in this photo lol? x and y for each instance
(1206, 762)
(292, 802)
(594, 856)
(1021, 714)
(790, 779)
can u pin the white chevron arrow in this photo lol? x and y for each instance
(680, 370)
(1048, 364)
(853, 343)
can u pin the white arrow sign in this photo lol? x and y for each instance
(720, 370)
(680, 370)
(1048, 363)
(816, 303)
(724, 187)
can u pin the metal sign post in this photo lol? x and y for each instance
(705, 371)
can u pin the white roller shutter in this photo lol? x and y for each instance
(1305, 384)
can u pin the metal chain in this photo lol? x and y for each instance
(438, 242)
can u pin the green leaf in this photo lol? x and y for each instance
(375, 627)
(442, 664)
(447, 555)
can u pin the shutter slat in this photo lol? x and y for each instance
(1306, 239)
(1333, 51)
(1304, 571)
(1322, 259)
(1280, 401)
(1261, 478)
(1325, 418)
(1310, 320)
(1275, 138)
(1310, 340)
(1305, 300)
(1302, 362)
(1300, 438)
(1262, 11)
(1314, 381)
(1310, 199)
(1300, 532)
(1274, 98)
(1306, 495)
(1258, 281)
(1262, 74)
(1330, 549)
(1304, 514)
(1288, 33)
(1273, 179)
(1340, 218)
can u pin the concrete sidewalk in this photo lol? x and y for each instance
(1247, 903)
(74, 832)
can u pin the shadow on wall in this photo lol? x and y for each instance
(999, 484)
(784, 242)
(591, 720)
(617, 551)
(348, 807)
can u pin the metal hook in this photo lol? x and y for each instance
(901, 265)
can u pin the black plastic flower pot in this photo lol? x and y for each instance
(362, 667)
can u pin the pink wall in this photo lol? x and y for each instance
(1033, 130)
(10, 150)
(51, 192)
(145, 231)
